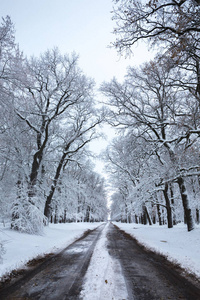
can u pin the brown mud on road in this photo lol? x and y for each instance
(148, 276)
(58, 277)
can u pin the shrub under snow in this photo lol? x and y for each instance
(27, 218)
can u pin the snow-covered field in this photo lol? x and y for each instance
(20, 247)
(103, 278)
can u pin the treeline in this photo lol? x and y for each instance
(48, 116)
(155, 161)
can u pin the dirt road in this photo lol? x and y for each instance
(147, 275)
(59, 277)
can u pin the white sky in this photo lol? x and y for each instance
(83, 26)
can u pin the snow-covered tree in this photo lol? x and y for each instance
(172, 24)
(151, 108)
(80, 195)
(11, 133)
(48, 115)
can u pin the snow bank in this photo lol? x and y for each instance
(21, 247)
(177, 244)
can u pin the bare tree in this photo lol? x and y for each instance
(52, 86)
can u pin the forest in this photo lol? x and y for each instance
(49, 115)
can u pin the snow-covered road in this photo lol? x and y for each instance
(59, 277)
(115, 271)
(122, 269)
(104, 278)
(63, 275)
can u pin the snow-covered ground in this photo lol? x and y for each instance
(21, 247)
(103, 279)
(177, 244)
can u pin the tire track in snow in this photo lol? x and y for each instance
(104, 279)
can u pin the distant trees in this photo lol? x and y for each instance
(48, 117)
(80, 195)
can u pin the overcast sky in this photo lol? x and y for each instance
(83, 26)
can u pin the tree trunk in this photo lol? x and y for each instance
(136, 219)
(172, 194)
(65, 216)
(37, 158)
(143, 218)
(129, 218)
(185, 201)
(197, 216)
(34, 173)
(15, 214)
(55, 219)
(168, 207)
(87, 214)
(56, 215)
(146, 213)
(159, 215)
(47, 209)
(127, 213)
